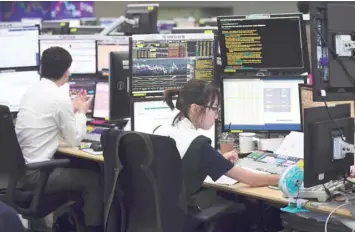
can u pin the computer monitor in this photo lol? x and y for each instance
(327, 130)
(120, 72)
(332, 43)
(101, 101)
(306, 100)
(19, 46)
(274, 42)
(35, 21)
(185, 22)
(14, 85)
(82, 48)
(165, 26)
(50, 27)
(105, 21)
(149, 114)
(206, 30)
(86, 30)
(87, 84)
(106, 45)
(209, 22)
(264, 104)
(88, 21)
(170, 61)
(146, 15)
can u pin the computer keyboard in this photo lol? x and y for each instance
(267, 162)
(318, 192)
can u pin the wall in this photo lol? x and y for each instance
(116, 8)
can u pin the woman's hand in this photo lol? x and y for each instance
(232, 156)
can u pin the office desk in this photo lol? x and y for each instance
(263, 193)
(80, 154)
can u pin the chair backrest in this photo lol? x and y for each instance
(12, 163)
(152, 183)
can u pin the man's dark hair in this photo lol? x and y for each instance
(54, 62)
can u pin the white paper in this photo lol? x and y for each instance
(225, 180)
(91, 151)
(292, 145)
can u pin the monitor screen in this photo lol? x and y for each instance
(81, 48)
(19, 46)
(169, 61)
(106, 45)
(75, 86)
(148, 115)
(165, 26)
(102, 101)
(264, 104)
(270, 42)
(14, 85)
(106, 21)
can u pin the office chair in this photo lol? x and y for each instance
(30, 204)
(151, 184)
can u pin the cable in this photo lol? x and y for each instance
(340, 62)
(334, 124)
(329, 216)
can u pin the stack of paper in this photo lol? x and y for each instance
(292, 145)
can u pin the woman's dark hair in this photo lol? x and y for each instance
(197, 92)
(54, 62)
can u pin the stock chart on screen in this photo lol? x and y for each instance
(169, 61)
(47, 10)
(15, 11)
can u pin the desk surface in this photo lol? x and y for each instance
(263, 193)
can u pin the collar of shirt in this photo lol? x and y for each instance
(186, 124)
(49, 82)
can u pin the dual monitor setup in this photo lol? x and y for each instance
(263, 57)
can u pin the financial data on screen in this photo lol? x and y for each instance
(105, 46)
(265, 42)
(169, 61)
(261, 104)
(81, 48)
(19, 46)
(13, 85)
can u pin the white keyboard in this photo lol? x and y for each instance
(318, 192)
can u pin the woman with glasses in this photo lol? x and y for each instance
(199, 104)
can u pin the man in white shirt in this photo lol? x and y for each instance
(45, 117)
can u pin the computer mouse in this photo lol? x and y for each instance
(96, 146)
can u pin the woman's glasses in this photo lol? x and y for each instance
(217, 110)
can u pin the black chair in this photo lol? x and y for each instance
(30, 204)
(151, 181)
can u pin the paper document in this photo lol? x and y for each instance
(222, 180)
(292, 145)
(92, 152)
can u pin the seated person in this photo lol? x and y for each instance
(46, 116)
(198, 103)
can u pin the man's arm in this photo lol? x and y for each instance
(72, 126)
